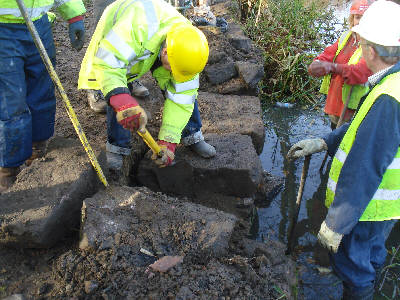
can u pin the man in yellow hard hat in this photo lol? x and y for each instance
(131, 38)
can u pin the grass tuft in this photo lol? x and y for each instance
(291, 33)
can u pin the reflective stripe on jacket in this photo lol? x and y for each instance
(125, 45)
(358, 90)
(10, 13)
(385, 204)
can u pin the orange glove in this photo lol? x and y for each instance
(129, 114)
(320, 68)
(167, 154)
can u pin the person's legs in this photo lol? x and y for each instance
(353, 262)
(15, 117)
(193, 137)
(378, 251)
(41, 99)
(118, 141)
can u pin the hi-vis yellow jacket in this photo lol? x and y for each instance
(357, 91)
(10, 13)
(385, 203)
(125, 45)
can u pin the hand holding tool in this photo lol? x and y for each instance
(129, 113)
(306, 147)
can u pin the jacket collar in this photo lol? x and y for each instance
(394, 69)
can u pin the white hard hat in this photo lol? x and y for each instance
(380, 24)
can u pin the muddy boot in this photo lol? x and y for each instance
(138, 89)
(7, 177)
(203, 149)
(366, 293)
(96, 101)
(38, 151)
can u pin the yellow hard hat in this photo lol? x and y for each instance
(187, 51)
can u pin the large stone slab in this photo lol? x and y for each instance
(235, 170)
(251, 73)
(153, 221)
(225, 114)
(45, 202)
(220, 72)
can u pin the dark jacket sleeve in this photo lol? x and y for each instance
(334, 138)
(374, 148)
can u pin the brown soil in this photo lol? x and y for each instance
(250, 270)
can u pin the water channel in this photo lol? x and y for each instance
(284, 127)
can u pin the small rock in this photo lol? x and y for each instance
(165, 263)
(106, 244)
(323, 270)
(117, 239)
(45, 288)
(90, 286)
(68, 288)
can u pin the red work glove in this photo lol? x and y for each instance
(167, 154)
(320, 68)
(129, 114)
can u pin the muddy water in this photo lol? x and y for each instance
(284, 127)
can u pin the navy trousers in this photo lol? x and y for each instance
(27, 100)
(118, 136)
(361, 254)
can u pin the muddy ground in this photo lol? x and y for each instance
(249, 270)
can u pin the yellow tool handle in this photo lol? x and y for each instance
(148, 139)
(60, 89)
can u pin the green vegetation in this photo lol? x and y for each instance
(389, 287)
(291, 32)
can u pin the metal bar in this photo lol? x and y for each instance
(298, 204)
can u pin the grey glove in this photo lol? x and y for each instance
(328, 238)
(306, 147)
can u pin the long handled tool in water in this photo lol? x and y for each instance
(339, 123)
(298, 203)
(60, 89)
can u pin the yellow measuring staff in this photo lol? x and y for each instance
(60, 89)
(148, 139)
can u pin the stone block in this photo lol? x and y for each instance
(45, 202)
(224, 114)
(235, 170)
(251, 73)
(220, 72)
(161, 224)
